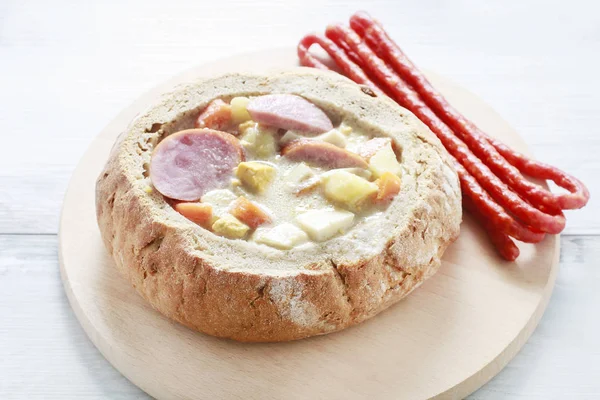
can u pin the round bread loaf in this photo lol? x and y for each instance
(249, 292)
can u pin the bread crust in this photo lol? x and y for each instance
(181, 269)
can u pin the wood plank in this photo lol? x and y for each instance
(562, 354)
(46, 354)
(467, 302)
(64, 78)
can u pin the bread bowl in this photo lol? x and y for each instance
(247, 289)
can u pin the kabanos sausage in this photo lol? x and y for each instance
(498, 219)
(406, 97)
(290, 112)
(578, 195)
(489, 150)
(187, 164)
(346, 64)
(501, 241)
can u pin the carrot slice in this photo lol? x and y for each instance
(196, 212)
(217, 115)
(249, 213)
(389, 186)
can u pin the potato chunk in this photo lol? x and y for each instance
(239, 113)
(258, 139)
(255, 175)
(334, 137)
(384, 160)
(324, 224)
(298, 174)
(283, 236)
(345, 129)
(219, 200)
(347, 189)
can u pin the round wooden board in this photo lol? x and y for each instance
(444, 341)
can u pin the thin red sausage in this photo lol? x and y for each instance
(376, 37)
(410, 99)
(490, 207)
(307, 59)
(502, 242)
(493, 211)
(497, 218)
(579, 194)
(356, 60)
(350, 69)
(351, 55)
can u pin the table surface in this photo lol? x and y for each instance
(67, 68)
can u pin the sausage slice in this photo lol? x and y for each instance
(291, 112)
(187, 164)
(323, 154)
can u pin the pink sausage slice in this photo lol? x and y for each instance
(323, 154)
(289, 112)
(187, 164)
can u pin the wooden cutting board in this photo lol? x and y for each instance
(444, 341)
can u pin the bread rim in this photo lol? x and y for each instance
(189, 275)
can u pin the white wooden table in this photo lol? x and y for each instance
(67, 67)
